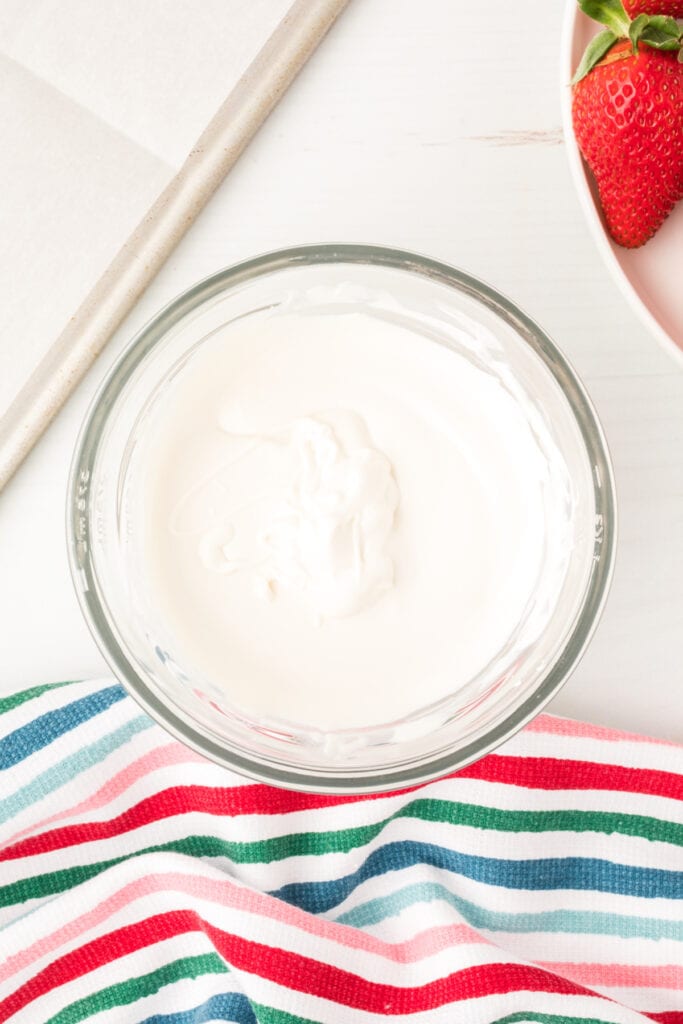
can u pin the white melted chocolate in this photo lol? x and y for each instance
(305, 511)
(344, 520)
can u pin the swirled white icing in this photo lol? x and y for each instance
(306, 510)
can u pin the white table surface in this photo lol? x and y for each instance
(416, 125)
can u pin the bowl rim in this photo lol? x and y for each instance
(275, 772)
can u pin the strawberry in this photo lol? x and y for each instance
(671, 8)
(627, 112)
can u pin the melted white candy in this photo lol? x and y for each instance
(344, 521)
(306, 511)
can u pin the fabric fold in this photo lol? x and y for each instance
(140, 882)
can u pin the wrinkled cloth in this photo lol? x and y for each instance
(142, 883)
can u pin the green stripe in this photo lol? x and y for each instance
(269, 1015)
(126, 992)
(498, 820)
(17, 699)
(66, 878)
(492, 819)
(301, 844)
(522, 1017)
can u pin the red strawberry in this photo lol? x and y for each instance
(672, 8)
(627, 112)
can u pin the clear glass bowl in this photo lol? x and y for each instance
(103, 523)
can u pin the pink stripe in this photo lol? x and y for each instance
(554, 726)
(161, 757)
(620, 975)
(228, 894)
(427, 943)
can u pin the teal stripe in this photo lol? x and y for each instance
(573, 922)
(70, 767)
(15, 700)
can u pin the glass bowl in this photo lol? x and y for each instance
(104, 522)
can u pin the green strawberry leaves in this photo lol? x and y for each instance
(594, 52)
(608, 12)
(655, 30)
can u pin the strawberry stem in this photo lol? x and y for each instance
(656, 30)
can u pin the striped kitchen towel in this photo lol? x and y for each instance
(138, 882)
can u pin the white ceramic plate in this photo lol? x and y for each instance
(651, 278)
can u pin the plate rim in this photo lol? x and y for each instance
(587, 202)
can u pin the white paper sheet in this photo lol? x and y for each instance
(100, 104)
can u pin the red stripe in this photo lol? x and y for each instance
(668, 1017)
(555, 773)
(529, 772)
(168, 803)
(290, 970)
(165, 804)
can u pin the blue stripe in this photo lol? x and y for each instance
(38, 733)
(573, 922)
(542, 874)
(15, 700)
(227, 1006)
(70, 767)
